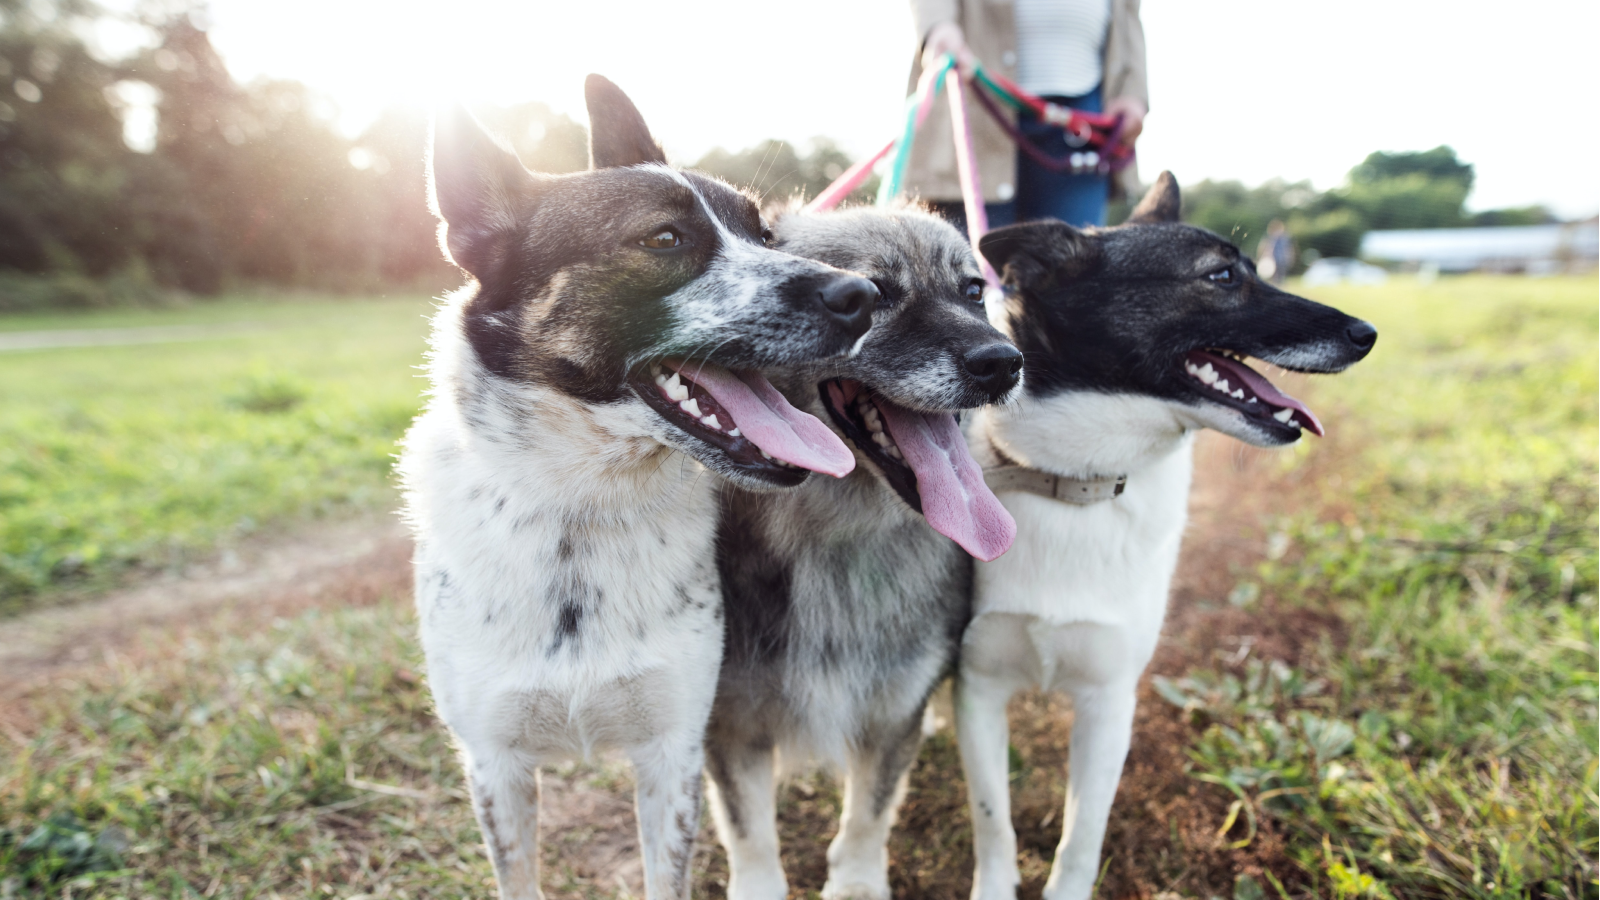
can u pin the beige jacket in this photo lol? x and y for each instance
(991, 32)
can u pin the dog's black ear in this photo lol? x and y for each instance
(477, 187)
(1039, 255)
(1160, 204)
(617, 133)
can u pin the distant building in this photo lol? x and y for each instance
(1535, 249)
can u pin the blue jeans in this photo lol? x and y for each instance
(1078, 200)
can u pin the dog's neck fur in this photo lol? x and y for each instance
(532, 437)
(843, 624)
(1080, 434)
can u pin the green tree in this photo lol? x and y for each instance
(1438, 164)
(1518, 215)
(62, 159)
(1426, 189)
(1241, 213)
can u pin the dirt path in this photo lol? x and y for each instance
(350, 561)
(1237, 490)
(353, 561)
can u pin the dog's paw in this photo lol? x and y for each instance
(998, 886)
(748, 885)
(854, 891)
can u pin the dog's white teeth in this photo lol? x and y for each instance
(882, 440)
(711, 422)
(1221, 385)
(734, 432)
(691, 406)
(676, 389)
(1191, 368)
(655, 369)
(1238, 394)
(765, 455)
(1283, 415)
(1250, 400)
(1207, 374)
(894, 451)
(1294, 423)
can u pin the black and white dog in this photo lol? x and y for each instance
(844, 607)
(1135, 339)
(606, 348)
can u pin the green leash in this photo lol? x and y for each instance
(916, 109)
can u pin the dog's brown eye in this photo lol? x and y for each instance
(1224, 276)
(767, 237)
(974, 291)
(665, 239)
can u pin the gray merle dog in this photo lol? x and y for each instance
(846, 598)
(1135, 339)
(608, 346)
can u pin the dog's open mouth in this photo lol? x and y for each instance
(1222, 376)
(924, 457)
(744, 416)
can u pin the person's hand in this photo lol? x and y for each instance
(1132, 112)
(946, 37)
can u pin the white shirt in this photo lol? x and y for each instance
(1060, 45)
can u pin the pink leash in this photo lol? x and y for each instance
(971, 188)
(967, 171)
(834, 193)
(852, 178)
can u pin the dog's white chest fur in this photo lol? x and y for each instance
(566, 587)
(1075, 606)
(1107, 563)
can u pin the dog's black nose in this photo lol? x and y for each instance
(1363, 335)
(851, 300)
(995, 368)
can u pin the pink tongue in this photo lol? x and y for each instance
(955, 499)
(767, 420)
(1263, 389)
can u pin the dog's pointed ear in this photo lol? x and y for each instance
(1037, 255)
(617, 133)
(1160, 204)
(477, 187)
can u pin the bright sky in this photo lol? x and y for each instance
(1245, 89)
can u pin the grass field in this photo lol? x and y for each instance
(1429, 731)
(120, 456)
(1444, 744)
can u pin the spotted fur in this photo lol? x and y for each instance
(565, 578)
(844, 608)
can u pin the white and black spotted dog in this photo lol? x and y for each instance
(1135, 338)
(846, 598)
(607, 347)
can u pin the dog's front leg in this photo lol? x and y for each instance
(505, 798)
(1102, 725)
(743, 804)
(667, 800)
(984, 735)
(858, 858)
